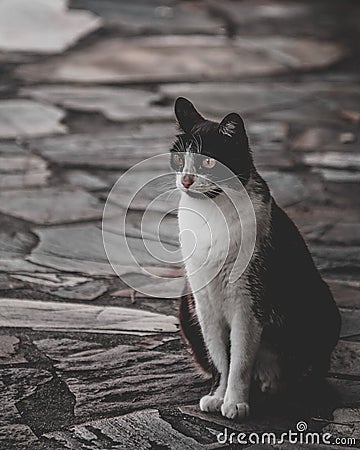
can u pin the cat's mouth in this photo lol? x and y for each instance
(211, 193)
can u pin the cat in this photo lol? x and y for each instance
(278, 321)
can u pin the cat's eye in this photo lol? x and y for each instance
(177, 160)
(209, 163)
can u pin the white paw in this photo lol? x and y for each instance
(267, 372)
(210, 403)
(235, 410)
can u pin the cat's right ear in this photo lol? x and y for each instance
(186, 114)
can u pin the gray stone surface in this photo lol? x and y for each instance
(20, 117)
(64, 286)
(128, 431)
(346, 423)
(21, 171)
(14, 249)
(88, 360)
(114, 104)
(287, 188)
(49, 316)
(50, 205)
(152, 16)
(109, 151)
(345, 359)
(9, 346)
(80, 248)
(346, 292)
(112, 381)
(42, 27)
(337, 160)
(178, 58)
(339, 176)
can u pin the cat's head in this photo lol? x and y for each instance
(204, 151)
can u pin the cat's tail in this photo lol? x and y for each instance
(191, 332)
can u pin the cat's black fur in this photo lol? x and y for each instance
(294, 305)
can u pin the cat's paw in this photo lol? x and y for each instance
(235, 410)
(267, 372)
(210, 403)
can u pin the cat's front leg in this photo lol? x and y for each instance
(216, 337)
(244, 342)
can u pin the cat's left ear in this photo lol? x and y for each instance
(186, 114)
(232, 125)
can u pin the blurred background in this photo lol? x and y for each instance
(86, 91)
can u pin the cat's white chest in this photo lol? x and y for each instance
(210, 236)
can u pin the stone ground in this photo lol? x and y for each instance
(86, 91)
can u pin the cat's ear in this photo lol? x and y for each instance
(232, 125)
(186, 114)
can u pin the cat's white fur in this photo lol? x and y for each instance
(210, 236)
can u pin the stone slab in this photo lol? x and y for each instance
(80, 248)
(9, 350)
(350, 327)
(41, 26)
(346, 423)
(64, 286)
(18, 171)
(50, 205)
(337, 160)
(38, 315)
(338, 176)
(115, 104)
(110, 151)
(153, 16)
(85, 180)
(345, 359)
(287, 188)
(346, 292)
(142, 430)
(336, 257)
(20, 117)
(183, 58)
(112, 380)
(219, 99)
(14, 249)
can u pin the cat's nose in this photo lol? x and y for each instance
(187, 180)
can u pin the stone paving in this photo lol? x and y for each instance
(86, 92)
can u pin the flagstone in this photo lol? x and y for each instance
(338, 176)
(336, 257)
(119, 151)
(350, 323)
(80, 248)
(20, 117)
(20, 171)
(345, 359)
(346, 292)
(144, 16)
(85, 180)
(337, 160)
(38, 315)
(287, 188)
(64, 286)
(14, 249)
(220, 98)
(108, 381)
(50, 205)
(41, 26)
(183, 58)
(115, 104)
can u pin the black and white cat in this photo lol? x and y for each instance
(278, 321)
